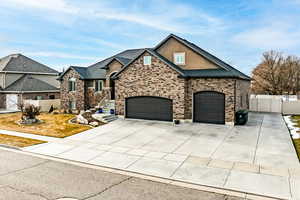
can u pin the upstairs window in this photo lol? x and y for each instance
(147, 60)
(179, 58)
(99, 85)
(72, 84)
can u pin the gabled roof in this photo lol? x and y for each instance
(231, 70)
(121, 60)
(157, 55)
(124, 55)
(86, 74)
(27, 83)
(21, 63)
(98, 70)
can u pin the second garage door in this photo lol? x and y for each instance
(209, 107)
(149, 107)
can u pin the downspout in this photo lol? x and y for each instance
(234, 101)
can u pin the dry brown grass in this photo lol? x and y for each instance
(52, 125)
(18, 141)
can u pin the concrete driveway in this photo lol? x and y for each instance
(215, 155)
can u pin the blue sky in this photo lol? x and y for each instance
(60, 33)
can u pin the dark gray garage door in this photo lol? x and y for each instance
(152, 108)
(209, 107)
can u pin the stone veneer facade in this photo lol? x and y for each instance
(157, 79)
(160, 80)
(225, 86)
(67, 96)
(84, 96)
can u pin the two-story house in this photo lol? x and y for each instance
(174, 80)
(22, 78)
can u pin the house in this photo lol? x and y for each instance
(176, 79)
(22, 78)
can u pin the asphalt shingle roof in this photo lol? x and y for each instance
(27, 83)
(21, 63)
(97, 70)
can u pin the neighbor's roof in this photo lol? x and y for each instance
(21, 63)
(27, 83)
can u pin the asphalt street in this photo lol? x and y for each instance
(27, 177)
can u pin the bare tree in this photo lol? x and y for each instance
(276, 74)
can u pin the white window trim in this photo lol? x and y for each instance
(179, 54)
(102, 83)
(73, 80)
(145, 60)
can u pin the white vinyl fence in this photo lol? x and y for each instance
(291, 107)
(275, 104)
(45, 104)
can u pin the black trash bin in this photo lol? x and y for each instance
(241, 117)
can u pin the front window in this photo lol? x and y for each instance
(39, 97)
(147, 60)
(179, 58)
(72, 105)
(99, 85)
(72, 84)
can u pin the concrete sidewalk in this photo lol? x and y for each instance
(258, 158)
(32, 136)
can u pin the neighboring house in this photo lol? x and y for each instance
(22, 78)
(174, 80)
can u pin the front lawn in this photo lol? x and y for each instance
(296, 119)
(18, 141)
(53, 125)
(297, 146)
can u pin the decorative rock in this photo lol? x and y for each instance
(87, 116)
(94, 124)
(81, 120)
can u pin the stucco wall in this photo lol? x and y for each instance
(192, 59)
(157, 79)
(44, 95)
(225, 86)
(45, 105)
(77, 96)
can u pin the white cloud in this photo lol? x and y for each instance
(269, 38)
(53, 5)
(165, 15)
(61, 55)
